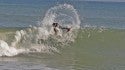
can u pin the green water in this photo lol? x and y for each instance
(96, 50)
(93, 50)
(100, 50)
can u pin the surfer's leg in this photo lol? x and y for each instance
(55, 30)
(38, 41)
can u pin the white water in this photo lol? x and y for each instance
(42, 39)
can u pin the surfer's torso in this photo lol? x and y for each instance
(56, 31)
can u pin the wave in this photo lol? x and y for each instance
(41, 38)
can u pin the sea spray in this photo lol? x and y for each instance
(6, 50)
(41, 39)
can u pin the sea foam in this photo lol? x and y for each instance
(41, 39)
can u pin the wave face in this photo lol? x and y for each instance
(93, 49)
(43, 39)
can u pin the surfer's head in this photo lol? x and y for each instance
(55, 24)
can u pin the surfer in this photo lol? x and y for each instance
(57, 27)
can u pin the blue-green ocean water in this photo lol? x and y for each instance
(99, 44)
(93, 49)
(24, 13)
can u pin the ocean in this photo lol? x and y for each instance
(95, 42)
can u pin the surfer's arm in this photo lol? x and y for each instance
(68, 29)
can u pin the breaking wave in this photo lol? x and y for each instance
(42, 38)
